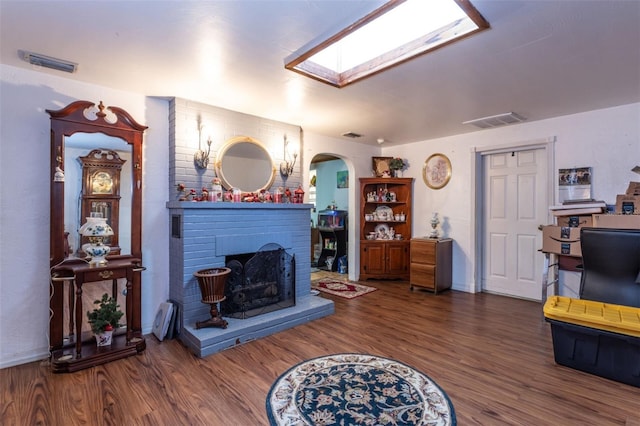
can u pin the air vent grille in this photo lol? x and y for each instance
(48, 62)
(352, 135)
(496, 120)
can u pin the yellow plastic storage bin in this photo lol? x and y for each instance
(595, 337)
(603, 316)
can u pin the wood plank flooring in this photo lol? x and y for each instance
(492, 355)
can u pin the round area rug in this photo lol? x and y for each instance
(356, 389)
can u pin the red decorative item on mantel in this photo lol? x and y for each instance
(298, 195)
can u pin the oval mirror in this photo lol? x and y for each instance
(244, 163)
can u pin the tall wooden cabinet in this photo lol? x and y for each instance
(385, 227)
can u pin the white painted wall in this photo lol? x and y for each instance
(607, 140)
(24, 203)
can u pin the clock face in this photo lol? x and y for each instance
(102, 183)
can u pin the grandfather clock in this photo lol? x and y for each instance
(101, 190)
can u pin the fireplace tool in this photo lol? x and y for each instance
(212, 283)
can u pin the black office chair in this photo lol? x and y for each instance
(611, 265)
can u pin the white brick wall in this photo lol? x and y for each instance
(221, 125)
(207, 232)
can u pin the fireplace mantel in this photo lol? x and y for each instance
(206, 205)
(203, 233)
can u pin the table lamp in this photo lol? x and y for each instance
(97, 231)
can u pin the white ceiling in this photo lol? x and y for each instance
(541, 58)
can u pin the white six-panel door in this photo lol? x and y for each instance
(515, 204)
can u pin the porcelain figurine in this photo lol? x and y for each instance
(434, 225)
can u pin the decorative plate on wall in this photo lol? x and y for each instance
(436, 171)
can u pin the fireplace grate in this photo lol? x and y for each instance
(259, 282)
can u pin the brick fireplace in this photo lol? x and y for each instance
(204, 234)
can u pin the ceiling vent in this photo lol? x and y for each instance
(352, 135)
(496, 120)
(48, 62)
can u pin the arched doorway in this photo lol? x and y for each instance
(328, 190)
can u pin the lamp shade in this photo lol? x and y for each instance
(96, 227)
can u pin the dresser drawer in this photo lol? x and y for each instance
(423, 275)
(104, 274)
(423, 252)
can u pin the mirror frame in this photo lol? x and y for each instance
(72, 119)
(230, 144)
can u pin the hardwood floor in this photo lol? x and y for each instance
(492, 355)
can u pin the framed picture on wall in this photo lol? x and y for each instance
(436, 171)
(343, 179)
(574, 184)
(380, 166)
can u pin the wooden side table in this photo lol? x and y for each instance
(431, 263)
(80, 354)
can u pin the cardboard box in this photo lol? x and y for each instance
(627, 204)
(570, 263)
(620, 221)
(633, 189)
(578, 209)
(561, 240)
(577, 221)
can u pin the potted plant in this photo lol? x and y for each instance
(104, 319)
(396, 164)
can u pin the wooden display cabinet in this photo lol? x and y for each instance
(384, 260)
(385, 227)
(431, 263)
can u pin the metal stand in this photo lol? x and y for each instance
(550, 270)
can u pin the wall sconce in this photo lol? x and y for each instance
(201, 158)
(286, 167)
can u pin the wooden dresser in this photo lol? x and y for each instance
(430, 264)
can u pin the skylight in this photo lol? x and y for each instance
(394, 33)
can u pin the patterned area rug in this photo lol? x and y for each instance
(355, 389)
(344, 289)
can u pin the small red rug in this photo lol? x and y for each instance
(345, 289)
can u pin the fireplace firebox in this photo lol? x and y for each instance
(259, 282)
